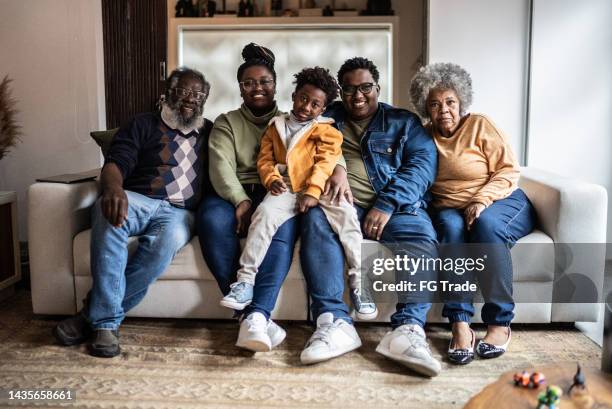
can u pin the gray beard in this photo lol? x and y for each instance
(171, 113)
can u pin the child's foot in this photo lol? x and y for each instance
(364, 305)
(240, 295)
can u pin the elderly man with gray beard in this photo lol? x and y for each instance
(152, 179)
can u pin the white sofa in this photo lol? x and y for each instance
(569, 211)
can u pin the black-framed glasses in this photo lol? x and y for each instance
(184, 93)
(364, 88)
(251, 84)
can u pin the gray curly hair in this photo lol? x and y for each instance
(440, 76)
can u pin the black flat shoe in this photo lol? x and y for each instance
(487, 351)
(462, 356)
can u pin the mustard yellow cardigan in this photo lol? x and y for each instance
(310, 158)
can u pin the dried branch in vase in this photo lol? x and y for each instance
(9, 130)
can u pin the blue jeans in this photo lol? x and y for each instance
(216, 226)
(501, 225)
(322, 261)
(120, 284)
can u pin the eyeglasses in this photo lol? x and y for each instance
(250, 85)
(364, 88)
(184, 93)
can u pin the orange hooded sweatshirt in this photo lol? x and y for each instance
(310, 158)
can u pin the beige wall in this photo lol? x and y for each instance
(52, 49)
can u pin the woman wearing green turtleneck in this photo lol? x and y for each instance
(225, 216)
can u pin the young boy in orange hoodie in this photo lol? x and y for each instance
(298, 154)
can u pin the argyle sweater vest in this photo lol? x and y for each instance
(160, 162)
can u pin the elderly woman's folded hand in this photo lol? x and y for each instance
(471, 213)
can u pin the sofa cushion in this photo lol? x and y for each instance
(187, 265)
(533, 259)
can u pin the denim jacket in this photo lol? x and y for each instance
(400, 157)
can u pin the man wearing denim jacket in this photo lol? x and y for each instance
(391, 162)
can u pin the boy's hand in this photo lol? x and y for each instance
(278, 187)
(305, 202)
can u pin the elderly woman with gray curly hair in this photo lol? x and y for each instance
(476, 199)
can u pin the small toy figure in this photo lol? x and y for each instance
(241, 9)
(521, 379)
(526, 380)
(378, 8)
(185, 8)
(579, 381)
(276, 7)
(245, 9)
(536, 379)
(551, 398)
(207, 8)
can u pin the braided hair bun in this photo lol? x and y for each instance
(253, 55)
(253, 51)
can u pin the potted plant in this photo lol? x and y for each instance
(9, 130)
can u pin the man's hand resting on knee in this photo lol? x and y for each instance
(114, 200)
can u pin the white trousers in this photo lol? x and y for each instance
(276, 210)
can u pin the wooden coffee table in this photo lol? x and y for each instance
(503, 394)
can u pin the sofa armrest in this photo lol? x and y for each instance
(574, 214)
(569, 210)
(56, 213)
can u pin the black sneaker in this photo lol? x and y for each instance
(104, 343)
(72, 331)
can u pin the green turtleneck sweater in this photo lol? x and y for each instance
(233, 147)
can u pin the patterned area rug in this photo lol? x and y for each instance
(194, 364)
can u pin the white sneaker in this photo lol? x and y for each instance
(276, 334)
(331, 339)
(258, 334)
(408, 346)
